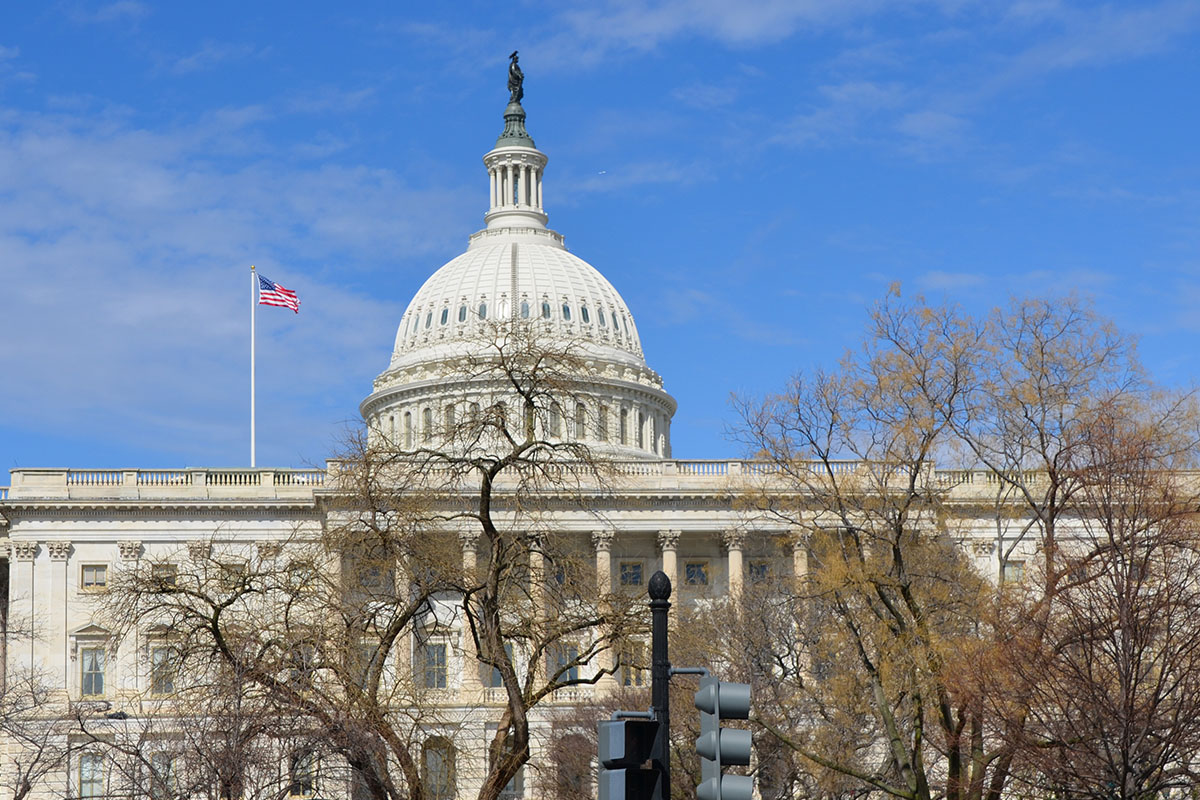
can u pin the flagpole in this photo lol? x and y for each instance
(253, 290)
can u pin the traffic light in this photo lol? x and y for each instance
(722, 747)
(625, 745)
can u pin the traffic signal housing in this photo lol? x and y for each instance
(722, 747)
(625, 745)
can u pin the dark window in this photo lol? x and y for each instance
(433, 666)
(483, 310)
(759, 571)
(545, 310)
(462, 313)
(566, 312)
(631, 573)
(583, 312)
(445, 315)
(696, 573)
(524, 309)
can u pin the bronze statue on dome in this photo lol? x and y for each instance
(516, 80)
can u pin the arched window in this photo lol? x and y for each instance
(524, 309)
(408, 429)
(427, 425)
(392, 428)
(616, 326)
(641, 434)
(428, 320)
(302, 774)
(625, 325)
(474, 412)
(450, 414)
(462, 313)
(438, 768)
(602, 422)
(566, 312)
(580, 421)
(555, 417)
(583, 313)
(445, 315)
(600, 318)
(483, 310)
(545, 309)
(623, 432)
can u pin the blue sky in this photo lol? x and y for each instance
(749, 175)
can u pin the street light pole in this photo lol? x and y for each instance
(660, 677)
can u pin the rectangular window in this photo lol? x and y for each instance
(495, 680)
(303, 774)
(562, 663)
(631, 573)
(232, 575)
(91, 775)
(162, 670)
(164, 575)
(602, 423)
(162, 776)
(633, 666)
(1014, 572)
(696, 573)
(432, 661)
(759, 571)
(91, 671)
(94, 577)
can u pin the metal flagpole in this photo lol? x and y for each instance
(253, 305)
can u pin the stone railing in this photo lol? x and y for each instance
(146, 484)
(3, 492)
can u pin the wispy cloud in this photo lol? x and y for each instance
(120, 11)
(212, 54)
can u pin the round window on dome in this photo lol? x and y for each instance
(445, 315)
(566, 312)
(483, 310)
(545, 310)
(462, 313)
(524, 309)
(583, 314)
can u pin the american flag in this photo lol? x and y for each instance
(271, 293)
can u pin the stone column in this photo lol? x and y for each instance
(668, 541)
(56, 618)
(22, 609)
(799, 558)
(470, 657)
(602, 541)
(733, 541)
(492, 186)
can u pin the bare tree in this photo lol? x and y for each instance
(343, 634)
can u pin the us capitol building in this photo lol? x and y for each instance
(70, 533)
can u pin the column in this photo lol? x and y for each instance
(492, 186)
(602, 541)
(123, 663)
(21, 606)
(469, 676)
(56, 628)
(668, 541)
(537, 595)
(733, 541)
(510, 176)
(539, 190)
(799, 558)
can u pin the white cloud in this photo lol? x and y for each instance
(9, 52)
(212, 54)
(120, 11)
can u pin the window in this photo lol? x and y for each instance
(302, 774)
(602, 423)
(162, 669)
(616, 328)
(474, 411)
(695, 573)
(462, 313)
(445, 315)
(555, 421)
(432, 663)
(583, 312)
(641, 427)
(232, 575)
(1014, 572)
(94, 577)
(563, 666)
(545, 309)
(600, 318)
(450, 418)
(483, 310)
(494, 679)
(91, 775)
(91, 671)
(633, 665)
(302, 659)
(427, 425)
(631, 573)
(580, 421)
(428, 320)
(524, 309)
(408, 431)
(566, 312)
(437, 768)
(370, 576)
(162, 776)
(515, 788)
(759, 571)
(623, 432)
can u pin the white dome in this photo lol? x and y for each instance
(515, 273)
